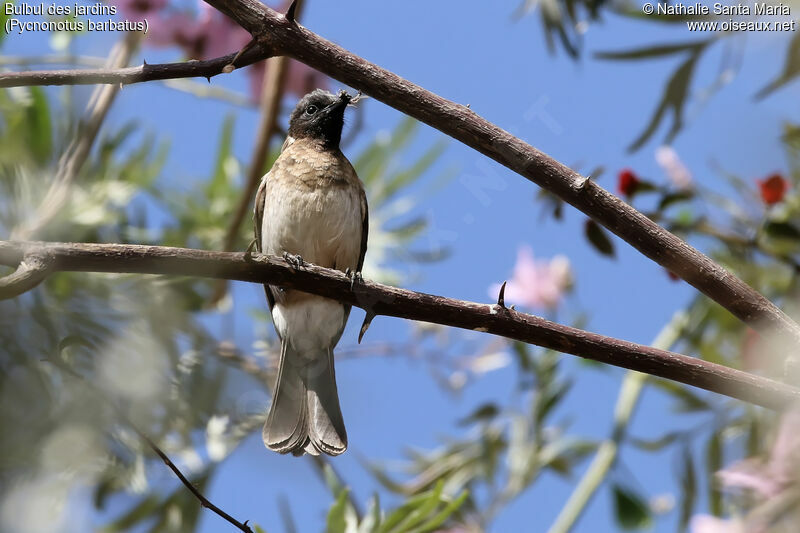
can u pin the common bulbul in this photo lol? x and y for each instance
(310, 206)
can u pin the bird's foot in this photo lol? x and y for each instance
(248, 253)
(353, 277)
(295, 261)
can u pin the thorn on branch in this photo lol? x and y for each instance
(230, 67)
(501, 298)
(248, 253)
(290, 13)
(365, 325)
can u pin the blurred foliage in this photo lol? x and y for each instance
(84, 354)
(569, 20)
(506, 449)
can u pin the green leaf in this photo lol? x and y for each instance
(654, 445)
(482, 413)
(714, 462)
(39, 131)
(336, 516)
(219, 183)
(688, 401)
(372, 163)
(674, 198)
(136, 515)
(631, 510)
(372, 519)
(652, 51)
(418, 515)
(390, 524)
(674, 98)
(688, 480)
(781, 230)
(598, 237)
(439, 518)
(389, 187)
(3, 19)
(791, 68)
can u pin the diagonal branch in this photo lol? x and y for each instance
(205, 502)
(392, 301)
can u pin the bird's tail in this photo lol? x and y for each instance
(305, 413)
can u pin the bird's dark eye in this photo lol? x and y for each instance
(310, 110)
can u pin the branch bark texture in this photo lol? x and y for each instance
(125, 76)
(392, 301)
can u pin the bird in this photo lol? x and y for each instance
(310, 207)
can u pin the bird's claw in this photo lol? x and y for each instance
(295, 261)
(353, 276)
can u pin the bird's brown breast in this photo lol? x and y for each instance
(314, 206)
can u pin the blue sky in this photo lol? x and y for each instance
(472, 53)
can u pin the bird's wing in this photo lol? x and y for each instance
(364, 229)
(258, 220)
(258, 212)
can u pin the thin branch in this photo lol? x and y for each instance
(242, 526)
(627, 401)
(124, 76)
(392, 301)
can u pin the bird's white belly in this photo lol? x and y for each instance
(311, 325)
(324, 227)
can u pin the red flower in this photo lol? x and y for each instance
(627, 182)
(673, 276)
(773, 189)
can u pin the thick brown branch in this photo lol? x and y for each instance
(393, 301)
(166, 71)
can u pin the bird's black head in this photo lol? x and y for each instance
(319, 115)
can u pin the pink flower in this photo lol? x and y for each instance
(536, 283)
(137, 10)
(710, 524)
(673, 167)
(772, 476)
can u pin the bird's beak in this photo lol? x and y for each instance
(340, 103)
